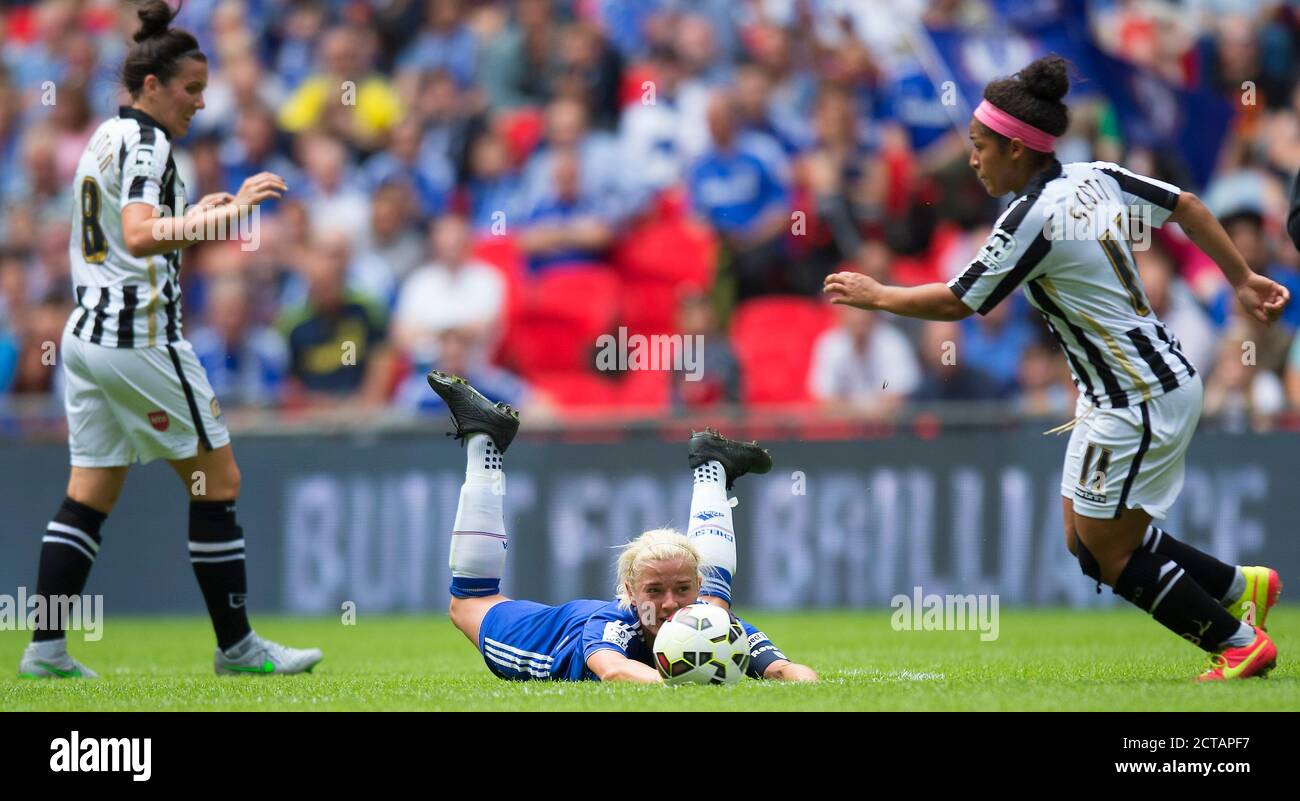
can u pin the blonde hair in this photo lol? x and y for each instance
(655, 545)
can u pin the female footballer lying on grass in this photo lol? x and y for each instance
(658, 573)
(1139, 396)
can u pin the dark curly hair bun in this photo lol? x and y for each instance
(1034, 94)
(1047, 78)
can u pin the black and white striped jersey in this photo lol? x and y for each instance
(124, 301)
(1066, 242)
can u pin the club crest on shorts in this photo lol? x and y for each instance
(1092, 477)
(159, 420)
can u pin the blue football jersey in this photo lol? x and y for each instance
(524, 640)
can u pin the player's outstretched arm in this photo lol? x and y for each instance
(925, 302)
(1261, 296)
(785, 670)
(145, 233)
(610, 665)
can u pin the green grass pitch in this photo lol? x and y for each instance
(1043, 660)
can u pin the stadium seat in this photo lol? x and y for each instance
(635, 391)
(645, 391)
(671, 204)
(522, 129)
(658, 260)
(502, 252)
(911, 271)
(676, 250)
(578, 389)
(631, 89)
(773, 338)
(649, 306)
(563, 313)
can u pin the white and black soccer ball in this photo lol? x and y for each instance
(701, 644)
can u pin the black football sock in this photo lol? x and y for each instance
(1218, 578)
(68, 551)
(217, 553)
(1160, 587)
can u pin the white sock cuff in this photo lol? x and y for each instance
(711, 472)
(481, 456)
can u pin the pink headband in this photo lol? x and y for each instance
(998, 120)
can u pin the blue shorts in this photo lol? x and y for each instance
(514, 640)
(519, 639)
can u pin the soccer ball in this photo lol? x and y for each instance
(701, 644)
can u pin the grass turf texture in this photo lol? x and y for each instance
(1042, 660)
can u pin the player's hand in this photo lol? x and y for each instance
(260, 187)
(215, 199)
(1263, 298)
(852, 289)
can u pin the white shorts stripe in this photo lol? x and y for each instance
(541, 674)
(501, 657)
(211, 547)
(74, 544)
(516, 659)
(519, 651)
(210, 559)
(63, 528)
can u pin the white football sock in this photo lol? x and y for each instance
(711, 530)
(478, 539)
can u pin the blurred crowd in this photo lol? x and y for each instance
(487, 187)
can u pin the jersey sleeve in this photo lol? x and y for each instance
(608, 630)
(143, 167)
(1012, 254)
(1139, 190)
(762, 652)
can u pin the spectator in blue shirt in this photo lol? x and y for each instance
(995, 342)
(737, 192)
(493, 192)
(946, 375)
(255, 149)
(444, 43)
(430, 179)
(565, 229)
(299, 30)
(459, 353)
(449, 120)
(599, 166)
(1246, 229)
(8, 359)
(245, 362)
(754, 118)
